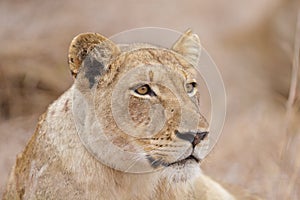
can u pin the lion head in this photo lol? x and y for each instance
(136, 106)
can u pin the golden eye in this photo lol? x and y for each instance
(143, 90)
(190, 87)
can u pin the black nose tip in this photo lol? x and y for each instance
(198, 137)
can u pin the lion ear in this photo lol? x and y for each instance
(189, 46)
(92, 51)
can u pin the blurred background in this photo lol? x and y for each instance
(254, 43)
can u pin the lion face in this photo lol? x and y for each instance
(138, 110)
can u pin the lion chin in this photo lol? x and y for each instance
(182, 171)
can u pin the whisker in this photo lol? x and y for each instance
(164, 150)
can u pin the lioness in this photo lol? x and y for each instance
(129, 128)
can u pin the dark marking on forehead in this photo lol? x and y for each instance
(151, 74)
(92, 68)
(66, 106)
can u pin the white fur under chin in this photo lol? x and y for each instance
(179, 173)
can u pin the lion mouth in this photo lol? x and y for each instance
(190, 158)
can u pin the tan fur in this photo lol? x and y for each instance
(64, 159)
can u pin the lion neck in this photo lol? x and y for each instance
(142, 186)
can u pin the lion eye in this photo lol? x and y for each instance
(143, 90)
(190, 87)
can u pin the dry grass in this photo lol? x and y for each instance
(255, 44)
(291, 135)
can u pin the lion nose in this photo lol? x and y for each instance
(192, 137)
(198, 137)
